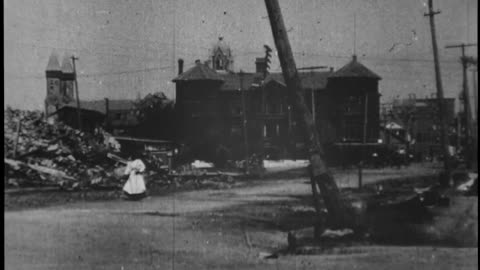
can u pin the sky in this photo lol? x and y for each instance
(129, 48)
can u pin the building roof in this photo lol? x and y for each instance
(232, 80)
(53, 64)
(198, 72)
(67, 66)
(99, 105)
(355, 69)
(315, 80)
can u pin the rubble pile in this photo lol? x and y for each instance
(54, 154)
(41, 154)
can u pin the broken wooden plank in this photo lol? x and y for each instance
(117, 158)
(56, 173)
(12, 191)
(53, 172)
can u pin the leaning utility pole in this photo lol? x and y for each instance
(319, 174)
(440, 98)
(466, 102)
(76, 93)
(244, 120)
(475, 124)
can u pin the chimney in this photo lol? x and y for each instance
(354, 58)
(331, 69)
(197, 62)
(180, 66)
(260, 65)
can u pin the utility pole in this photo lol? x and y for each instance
(245, 131)
(313, 100)
(76, 93)
(466, 102)
(174, 45)
(475, 125)
(364, 141)
(319, 174)
(440, 98)
(313, 86)
(475, 91)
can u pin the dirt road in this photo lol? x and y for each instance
(208, 229)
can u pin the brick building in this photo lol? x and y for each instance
(211, 101)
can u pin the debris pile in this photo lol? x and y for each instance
(38, 153)
(42, 154)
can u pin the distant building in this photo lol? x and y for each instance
(60, 102)
(426, 130)
(59, 83)
(210, 107)
(420, 124)
(117, 116)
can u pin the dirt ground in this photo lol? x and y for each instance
(217, 229)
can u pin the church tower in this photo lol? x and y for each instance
(53, 75)
(221, 57)
(68, 77)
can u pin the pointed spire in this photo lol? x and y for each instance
(53, 64)
(67, 66)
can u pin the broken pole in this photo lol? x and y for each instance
(440, 98)
(107, 113)
(17, 135)
(76, 93)
(320, 175)
(244, 120)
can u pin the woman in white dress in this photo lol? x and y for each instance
(134, 188)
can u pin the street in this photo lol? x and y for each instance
(204, 229)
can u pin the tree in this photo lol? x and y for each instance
(405, 113)
(155, 113)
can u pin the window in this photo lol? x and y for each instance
(63, 90)
(258, 107)
(353, 130)
(236, 109)
(51, 86)
(353, 104)
(218, 64)
(274, 108)
(271, 130)
(235, 131)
